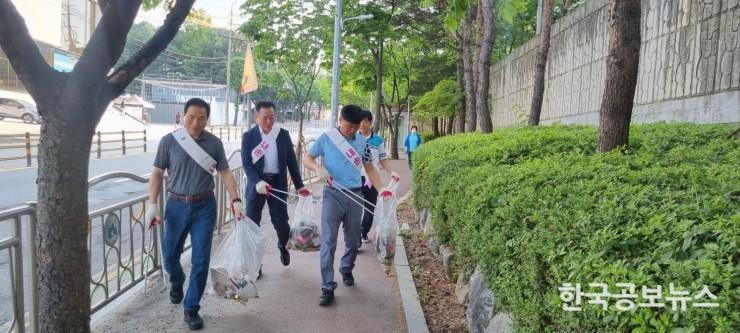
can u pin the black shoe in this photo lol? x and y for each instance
(193, 319)
(176, 294)
(365, 239)
(327, 297)
(284, 256)
(348, 279)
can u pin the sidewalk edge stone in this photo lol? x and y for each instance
(415, 321)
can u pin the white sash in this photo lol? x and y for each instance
(347, 150)
(259, 151)
(264, 146)
(194, 150)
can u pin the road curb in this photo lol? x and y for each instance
(415, 321)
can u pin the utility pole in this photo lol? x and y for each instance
(228, 66)
(335, 65)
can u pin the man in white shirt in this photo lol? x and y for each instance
(267, 157)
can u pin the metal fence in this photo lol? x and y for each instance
(227, 133)
(21, 264)
(122, 253)
(24, 146)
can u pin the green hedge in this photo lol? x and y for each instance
(536, 208)
(427, 136)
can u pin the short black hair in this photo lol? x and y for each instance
(414, 127)
(367, 115)
(352, 113)
(198, 102)
(264, 105)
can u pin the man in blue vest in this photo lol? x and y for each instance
(346, 154)
(267, 157)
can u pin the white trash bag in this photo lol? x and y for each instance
(386, 228)
(305, 231)
(236, 262)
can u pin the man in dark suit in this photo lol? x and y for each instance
(267, 152)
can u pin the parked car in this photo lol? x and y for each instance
(15, 108)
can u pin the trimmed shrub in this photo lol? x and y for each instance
(665, 211)
(427, 136)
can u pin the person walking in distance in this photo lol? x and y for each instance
(412, 142)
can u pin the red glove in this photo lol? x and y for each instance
(395, 177)
(386, 194)
(268, 188)
(304, 192)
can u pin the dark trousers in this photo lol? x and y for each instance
(197, 219)
(278, 212)
(409, 154)
(370, 195)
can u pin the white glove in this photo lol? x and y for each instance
(322, 173)
(237, 208)
(262, 187)
(152, 216)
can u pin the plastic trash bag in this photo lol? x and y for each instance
(386, 229)
(305, 231)
(236, 262)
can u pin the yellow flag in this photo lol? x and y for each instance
(249, 78)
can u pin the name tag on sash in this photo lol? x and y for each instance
(269, 141)
(349, 152)
(259, 151)
(194, 150)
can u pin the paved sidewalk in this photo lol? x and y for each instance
(288, 296)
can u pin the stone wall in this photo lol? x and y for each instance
(689, 66)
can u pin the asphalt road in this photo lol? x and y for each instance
(20, 187)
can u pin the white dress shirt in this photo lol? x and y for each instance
(271, 155)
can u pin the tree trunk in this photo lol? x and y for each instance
(539, 74)
(394, 142)
(450, 121)
(488, 27)
(236, 109)
(64, 262)
(621, 74)
(566, 7)
(435, 126)
(378, 84)
(72, 104)
(471, 117)
(461, 88)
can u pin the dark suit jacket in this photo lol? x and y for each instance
(286, 159)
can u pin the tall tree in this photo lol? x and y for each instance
(622, 64)
(543, 48)
(487, 26)
(470, 82)
(439, 103)
(565, 7)
(290, 34)
(460, 66)
(72, 105)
